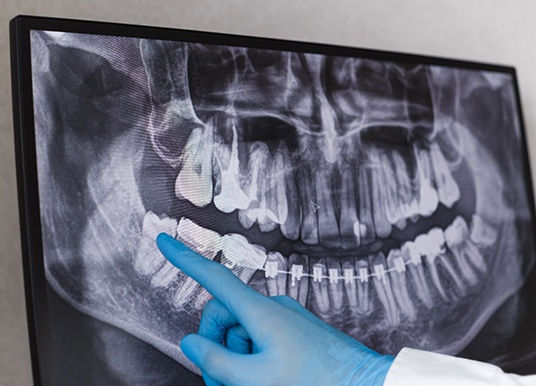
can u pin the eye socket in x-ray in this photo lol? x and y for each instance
(389, 197)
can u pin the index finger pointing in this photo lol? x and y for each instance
(240, 299)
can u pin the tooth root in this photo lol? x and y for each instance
(382, 285)
(398, 281)
(379, 210)
(309, 228)
(204, 241)
(336, 284)
(298, 285)
(194, 182)
(276, 281)
(475, 257)
(405, 195)
(291, 227)
(246, 218)
(230, 195)
(435, 276)
(350, 284)
(319, 288)
(350, 233)
(447, 188)
(237, 251)
(364, 305)
(413, 262)
(328, 228)
(165, 275)
(148, 258)
(463, 265)
(366, 222)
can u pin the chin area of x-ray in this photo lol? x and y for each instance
(388, 198)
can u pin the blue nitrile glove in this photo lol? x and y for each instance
(246, 338)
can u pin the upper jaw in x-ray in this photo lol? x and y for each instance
(381, 196)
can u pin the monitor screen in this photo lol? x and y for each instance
(389, 194)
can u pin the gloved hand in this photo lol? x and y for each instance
(246, 338)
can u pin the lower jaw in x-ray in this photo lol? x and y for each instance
(397, 243)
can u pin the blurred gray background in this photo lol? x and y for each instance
(494, 31)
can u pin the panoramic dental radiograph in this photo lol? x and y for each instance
(387, 198)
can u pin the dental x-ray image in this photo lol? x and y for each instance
(389, 198)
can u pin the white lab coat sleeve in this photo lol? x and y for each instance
(420, 368)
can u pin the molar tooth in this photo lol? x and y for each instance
(412, 258)
(423, 245)
(350, 284)
(204, 241)
(349, 224)
(280, 191)
(364, 305)
(447, 188)
(165, 275)
(309, 226)
(482, 232)
(398, 279)
(457, 239)
(391, 191)
(148, 258)
(366, 222)
(237, 251)
(194, 182)
(230, 195)
(291, 226)
(436, 239)
(335, 284)
(428, 196)
(428, 199)
(298, 286)
(328, 229)
(405, 191)
(276, 282)
(382, 284)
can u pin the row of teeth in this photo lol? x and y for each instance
(269, 193)
(387, 274)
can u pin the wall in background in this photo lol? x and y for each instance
(483, 30)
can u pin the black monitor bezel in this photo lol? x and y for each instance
(24, 135)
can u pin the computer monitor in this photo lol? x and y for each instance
(390, 194)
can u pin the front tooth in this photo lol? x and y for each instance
(350, 282)
(395, 262)
(194, 182)
(366, 222)
(364, 305)
(276, 281)
(412, 259)
(165, 275)
(379, 210)
(204, 241)
(298, 285)
(382, 284)
(148, 258)
(230, 195)
(237, 251)
(328, 229)
(336, 284)
(350, 233)
(291, 227)
(266, 215)
(309, 226)
(391, 190)
(447, 188)
(319, 288)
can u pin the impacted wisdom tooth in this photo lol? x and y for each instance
(204, 241)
